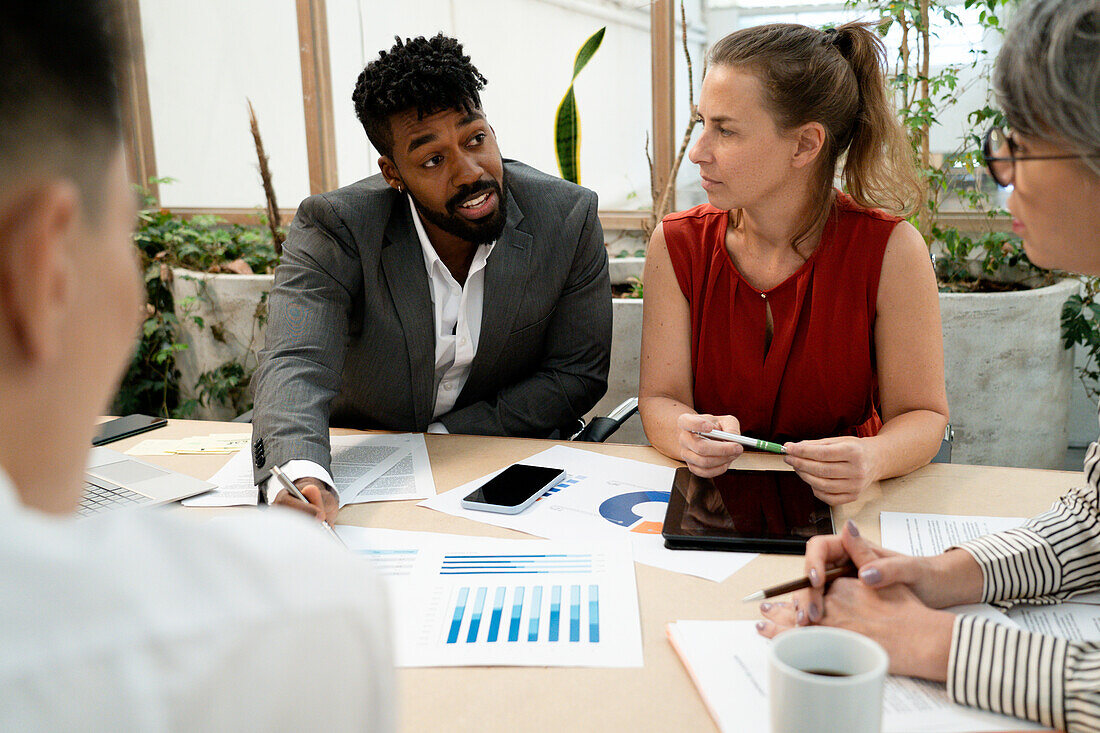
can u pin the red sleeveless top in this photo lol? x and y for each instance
(817, 378)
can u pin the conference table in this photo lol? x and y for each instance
(659, 696)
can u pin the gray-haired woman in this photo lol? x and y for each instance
(1048, 82)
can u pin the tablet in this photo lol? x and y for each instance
(744, 511)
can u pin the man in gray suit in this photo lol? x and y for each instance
(454, 292)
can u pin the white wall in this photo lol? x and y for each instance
(952, 45)
(203, 58)
(525, 48)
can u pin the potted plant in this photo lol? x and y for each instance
(1008, 370)
(207, 283)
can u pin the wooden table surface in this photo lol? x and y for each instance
(660, 696)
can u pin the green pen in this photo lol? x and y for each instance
(764, 445)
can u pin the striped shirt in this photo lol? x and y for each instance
(1053, 557)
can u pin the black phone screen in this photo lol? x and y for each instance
(124, 427)
(514, 485)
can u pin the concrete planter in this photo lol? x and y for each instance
(233, 312)
(1008, 376)
(622, 269)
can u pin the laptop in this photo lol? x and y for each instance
(113, 480)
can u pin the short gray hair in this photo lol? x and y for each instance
(1047, 76)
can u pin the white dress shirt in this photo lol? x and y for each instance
(456, 312)
(140, 621)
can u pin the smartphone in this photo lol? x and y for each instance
(513, 489)
(124, 427)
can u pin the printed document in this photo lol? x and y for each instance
(728, 661)
(365, 468)
(602, 497)
(1078, 619)
(234, 485)
(1072, 621)
(931, 534)
(381, 468)
(479, 601)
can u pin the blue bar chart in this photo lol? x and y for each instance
(568, 610)
(474, 601)
(390, 561)
(515, 564)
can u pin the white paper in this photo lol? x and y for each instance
(381, 468)
(365, 468)
(476, 601)
(1085, 596)
(728, 661)
(234, 485)
(931, 534)
(1073, 621)
(194, 445)
(153, 447)
(602, 497)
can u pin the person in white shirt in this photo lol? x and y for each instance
(135, 620)
(456, 291)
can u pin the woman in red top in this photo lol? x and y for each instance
(785, 309)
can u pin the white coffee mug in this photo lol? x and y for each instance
(823, 679)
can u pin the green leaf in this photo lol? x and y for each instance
(567, 138)
(588, 50)
(567, 122)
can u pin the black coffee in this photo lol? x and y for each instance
(827, 672)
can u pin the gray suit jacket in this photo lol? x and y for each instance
(350, 332)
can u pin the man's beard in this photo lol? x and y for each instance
(483, 231)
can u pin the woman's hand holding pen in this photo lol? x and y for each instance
(880, 568)
(705, 457)
(838, 469)
(892, 600)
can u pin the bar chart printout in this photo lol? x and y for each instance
(529, 603)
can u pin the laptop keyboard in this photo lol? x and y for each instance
(99, 499)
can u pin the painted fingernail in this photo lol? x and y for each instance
(852, 528)
(801, 618)
(765, 607)
(815, 615)
(870, 576)
(813, 577)
(761, 625)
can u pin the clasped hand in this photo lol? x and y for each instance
(892, 602)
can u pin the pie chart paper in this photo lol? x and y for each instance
(601, 498)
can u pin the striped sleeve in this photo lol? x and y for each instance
(1053, 556)
(1041, 678)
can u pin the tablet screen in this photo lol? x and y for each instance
(758, 511)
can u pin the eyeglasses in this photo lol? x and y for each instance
(999, 151)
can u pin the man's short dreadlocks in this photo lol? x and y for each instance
(428, 75)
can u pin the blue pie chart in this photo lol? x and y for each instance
(620, 509)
